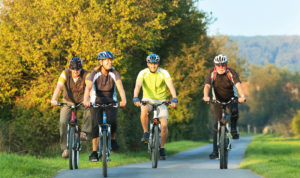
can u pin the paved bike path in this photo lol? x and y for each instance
(191, 163)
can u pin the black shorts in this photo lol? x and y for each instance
(97, 115)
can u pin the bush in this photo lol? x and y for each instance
(296, 124)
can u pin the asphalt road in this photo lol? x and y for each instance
(189, 164)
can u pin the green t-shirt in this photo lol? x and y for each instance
(154, 84)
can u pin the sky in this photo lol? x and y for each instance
(253, 17)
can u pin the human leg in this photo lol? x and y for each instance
(217, 116)
(144, 121)
(65, 115)
(234, 118)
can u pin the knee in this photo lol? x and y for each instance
(63, 122)
(164, 127)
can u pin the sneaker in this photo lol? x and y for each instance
(83, 136)
(162, 154)
(114, 145)
(214, 155)
(145, 137)
(235, 134)
(94, 157)
(65, 154)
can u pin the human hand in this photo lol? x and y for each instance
(54, 102)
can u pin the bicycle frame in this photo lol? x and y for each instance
(224, 121)
(223, 140)
(104, 136)
(73, 128)
(154, 138)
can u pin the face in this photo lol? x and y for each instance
(152, 66)
(106, 63)
(75, 73)
(221, 69)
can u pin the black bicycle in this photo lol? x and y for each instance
(73, 136)
(224, 141)
(155, 135)
(104, 136)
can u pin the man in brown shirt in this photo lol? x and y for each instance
(72, 81)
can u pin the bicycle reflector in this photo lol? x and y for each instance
(223, 122)
(156, 121)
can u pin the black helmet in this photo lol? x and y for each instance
(75, 63)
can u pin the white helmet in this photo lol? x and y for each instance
(220, 59)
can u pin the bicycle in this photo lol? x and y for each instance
(223, 139)
(104, 136)
(155, 135)
(73, 136)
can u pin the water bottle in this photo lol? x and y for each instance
(104, 117)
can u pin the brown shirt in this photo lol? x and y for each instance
(74, 91)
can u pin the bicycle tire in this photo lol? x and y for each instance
(71, 145)
(76, 151)
(223, 149)
(155, 148)
(104, 153)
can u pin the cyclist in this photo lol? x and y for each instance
(101, 88)
(72, 81)
(225, 84)
(155, 81)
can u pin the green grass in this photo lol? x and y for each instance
(273, 156)
(13, 165)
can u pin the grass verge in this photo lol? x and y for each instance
(273, 156)
(13, 165)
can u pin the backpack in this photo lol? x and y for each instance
(214, 74)
(229, 75)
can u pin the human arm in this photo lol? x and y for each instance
(173, 93)
(240, 90)
(206, 98)
(86, 96)
(59, 87)
(121, 92)
(136, 92)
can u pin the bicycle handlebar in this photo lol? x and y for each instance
(232, 100)
(115, 105)
(69, 105)
(152, 104)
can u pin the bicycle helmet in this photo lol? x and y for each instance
(153, 58)
(105, 54)
(75, 63)
(220, 59)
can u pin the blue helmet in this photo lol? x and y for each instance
(75, 63)
(153, 58)
(105, 54)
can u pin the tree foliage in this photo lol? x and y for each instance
(271, 95)
(39, 37)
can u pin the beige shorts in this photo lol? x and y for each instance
(162, 110)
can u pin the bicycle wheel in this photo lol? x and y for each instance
(155, 147)
(104, 153)
(223, 149)
(71, 145)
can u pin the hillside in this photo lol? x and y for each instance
(283, 51)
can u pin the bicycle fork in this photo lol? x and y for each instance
(228, 141)
(101, 128)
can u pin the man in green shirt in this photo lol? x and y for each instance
(154, 81)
